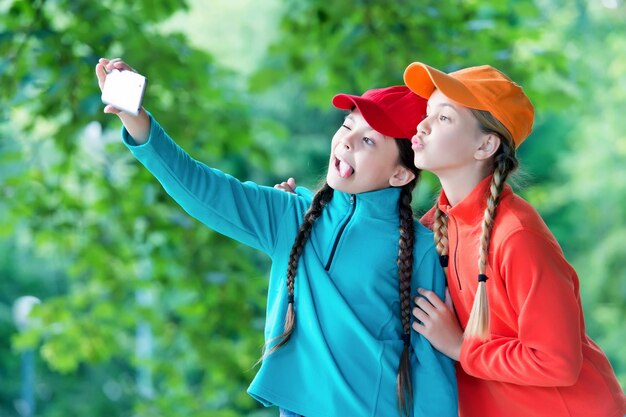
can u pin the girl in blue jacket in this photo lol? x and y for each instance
(345, 261)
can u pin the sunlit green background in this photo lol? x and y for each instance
(143, 311)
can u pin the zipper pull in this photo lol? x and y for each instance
(352, 199)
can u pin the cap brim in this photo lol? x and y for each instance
(344, 101)
(417, 77)
(423, 80)
(373, 114)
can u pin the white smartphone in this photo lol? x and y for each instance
(124, 90)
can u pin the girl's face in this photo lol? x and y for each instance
(361, 159)
(448, 139)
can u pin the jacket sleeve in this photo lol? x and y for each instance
(542, 289)
(433, 373)
(243, 211)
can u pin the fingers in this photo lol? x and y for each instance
(428, 306)
(101, 74)
(118, 64)
(436, 321)
(288, 186)
(420, 315)
(424, 305)
(110, 109)
(115, 63)
(418, 327)
(102, 69)
(105, 66)
(432, 297)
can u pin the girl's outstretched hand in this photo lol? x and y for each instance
(287, 186)
(105, 66)
(438, 323)
(137, 126)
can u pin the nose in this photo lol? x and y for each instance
(424, 126)
(347, 141)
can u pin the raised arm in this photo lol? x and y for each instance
(245, 211)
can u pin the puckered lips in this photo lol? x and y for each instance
(416, 143)
(344, 169)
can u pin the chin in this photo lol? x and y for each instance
(338, 184)
(333, 182)
(419, 164)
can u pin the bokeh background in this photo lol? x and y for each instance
(113, 302)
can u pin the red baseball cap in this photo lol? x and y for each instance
(481, 88)
(393, 111)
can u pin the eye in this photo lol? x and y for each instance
(444, 118)
(343, 125)
(368, 140)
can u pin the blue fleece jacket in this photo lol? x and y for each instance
(343, 356)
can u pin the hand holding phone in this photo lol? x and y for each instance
(124, 90)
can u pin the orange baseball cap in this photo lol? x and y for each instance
(481, 88)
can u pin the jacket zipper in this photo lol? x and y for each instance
(456, 266)
(343, 227)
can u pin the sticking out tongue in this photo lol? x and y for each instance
(345, 170)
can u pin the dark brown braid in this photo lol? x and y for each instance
(404, 389)
(321, 198)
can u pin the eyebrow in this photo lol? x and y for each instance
(377, 136)
(443, 105)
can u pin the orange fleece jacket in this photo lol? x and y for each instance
(539, 360)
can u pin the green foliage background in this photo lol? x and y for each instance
(247, 88)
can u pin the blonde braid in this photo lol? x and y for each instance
(440, 231)
(505, 162)
(478, 323)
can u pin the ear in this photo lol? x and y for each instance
(488, 146)
(401, 177)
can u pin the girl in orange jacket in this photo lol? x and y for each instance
(521, 343)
